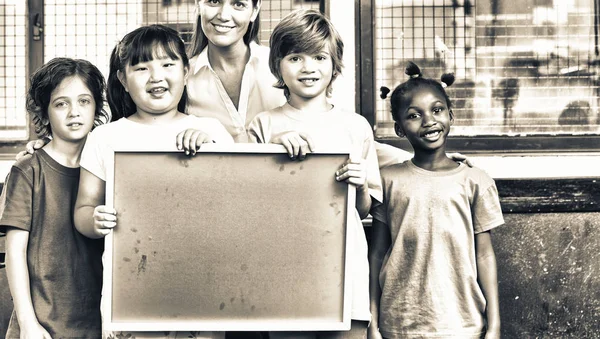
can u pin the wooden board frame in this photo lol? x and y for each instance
(276, 163)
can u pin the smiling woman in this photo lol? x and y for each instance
(229, 77)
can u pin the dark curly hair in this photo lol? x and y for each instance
(48, 77)
(402, 92)
(140, 45)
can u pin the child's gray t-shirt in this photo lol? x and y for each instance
(65, 267)
(429, 275)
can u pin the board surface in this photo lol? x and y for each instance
(228, 241)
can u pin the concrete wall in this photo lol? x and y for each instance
(549, 275)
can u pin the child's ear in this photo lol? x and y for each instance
(451, 118)
(186, 73)
(398, 129)
(123, 80)
(256, 10)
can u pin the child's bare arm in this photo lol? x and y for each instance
(488, 280)
(18, 281)
(92, 218)
(380, 243)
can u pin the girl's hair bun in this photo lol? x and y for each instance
(448, 79)
(384, 91)
(412, 70)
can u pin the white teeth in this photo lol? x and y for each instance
(222, 29)
(308, 81)
(158, 90)
(432, 134)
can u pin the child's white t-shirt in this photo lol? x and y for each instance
(331, 129)
(97, 154)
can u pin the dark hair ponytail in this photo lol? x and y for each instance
(403, 91)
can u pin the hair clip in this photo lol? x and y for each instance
(443, 84)
(414, 76)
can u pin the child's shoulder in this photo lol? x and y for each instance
(275, 112)
(479, 175)
(29, 164)
(110, 127)
(394, 170)
(26, 164)
(192, 119)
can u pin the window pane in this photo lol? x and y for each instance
(13, 46)
(89, 29)
(522, 67)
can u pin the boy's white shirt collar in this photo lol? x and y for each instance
(202, 58)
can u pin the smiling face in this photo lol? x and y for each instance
(224, 22)
(155, 86)
(425, 119)
(71, 110)
(307, 75)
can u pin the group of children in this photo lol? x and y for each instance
(430, 270)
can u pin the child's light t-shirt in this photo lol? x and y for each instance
(428, 277)
(346, 130)
(97, 156)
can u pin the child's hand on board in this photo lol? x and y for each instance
(354, 172)
(297, 144)
(105, 219)
(191, 139)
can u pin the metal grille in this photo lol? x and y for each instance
(13, 65)
(522, 67)
(274, 10)
(89, 29)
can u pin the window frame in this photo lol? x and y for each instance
(35, 59)
(518, 143)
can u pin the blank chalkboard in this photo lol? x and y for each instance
(235, 238)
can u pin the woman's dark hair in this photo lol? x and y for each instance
(48, 77)
(141, 45)
(401, 93)
(200, 41)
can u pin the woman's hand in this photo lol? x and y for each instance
(31, 147)
(297, 144)
(105, 219)
(460, 158)
(191, 139)
(354, 172)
